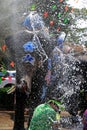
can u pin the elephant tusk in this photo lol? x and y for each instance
(11, 90)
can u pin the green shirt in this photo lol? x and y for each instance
(40, 119)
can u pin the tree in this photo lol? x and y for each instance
(56, 14)
(59, 16)
(77, 33)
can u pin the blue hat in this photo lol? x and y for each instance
(33, 21)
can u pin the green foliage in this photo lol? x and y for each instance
(56, 14)
(81, 13)
(5, 89)
(78, 34)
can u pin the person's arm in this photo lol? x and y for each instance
(56, 122)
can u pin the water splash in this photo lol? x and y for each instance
(65, 79)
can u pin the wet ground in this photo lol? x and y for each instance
(7, 121)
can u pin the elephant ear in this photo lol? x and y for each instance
(16, 41)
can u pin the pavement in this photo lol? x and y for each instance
(7, 120)
(6, 123)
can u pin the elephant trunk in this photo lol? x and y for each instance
(21, 96)
(23, 88)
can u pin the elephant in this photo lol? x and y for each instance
(31, 71)
(26, 64)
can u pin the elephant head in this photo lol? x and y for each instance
(26, 60)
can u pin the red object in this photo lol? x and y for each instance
(58, 29)
(4, 48)
(3, 78)
(12, 64)
(9, 78)
(61, 0)
(51, 23)
(45, 14)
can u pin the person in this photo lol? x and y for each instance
(83, 101)
(85, 120)
(46, 116)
